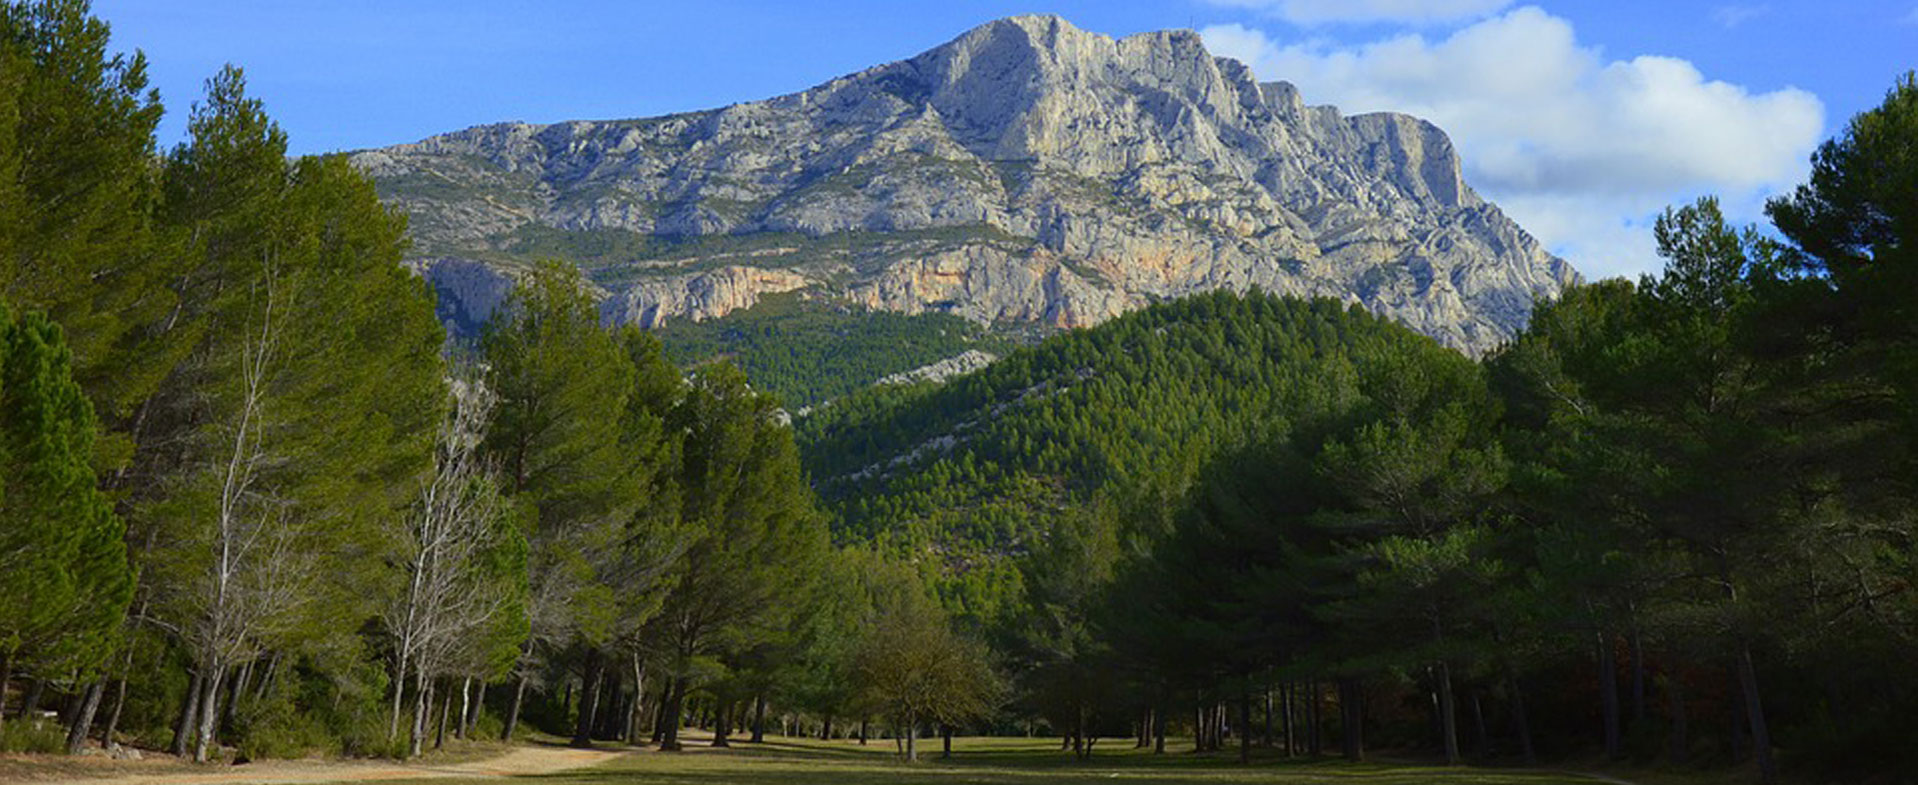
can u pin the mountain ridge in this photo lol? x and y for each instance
(1026, 172)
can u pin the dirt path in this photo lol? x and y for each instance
(519, 762)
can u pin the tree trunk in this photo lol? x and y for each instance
(1608, 695)
(189, 711)
(912, 733)
(612, 708)
(1520, 722)
(70, 708)
(1244, 728)
(1312, 741)
(1734, 696)
(862, 732)
(1286, 716)
(723, 724)
(588, 701)
(1351, 719)
(471, 720)
(209, 712)
(639, 697)
(1448, 714)
(422, 700)
(1201, 729)
(35, 689)
(83, 719)
(399, 699)
(234, 692)
(512, 709)
(669, 738)
(629, 727)
(113, 717)
(825, 729)
(446, 709)
(1080, 749)
(759, 718)
(466, 706)
(1679, 745)
(945, 741)
(659, 713)
(1267, 738)
(6, 678)
(1158, 731)
(1755, 715)
(1483, 742)
(266, 679)
(1638, 680)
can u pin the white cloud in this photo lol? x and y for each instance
(1581, 150)
(1730, 16)
(1315, 12)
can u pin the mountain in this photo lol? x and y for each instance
(1028, 174)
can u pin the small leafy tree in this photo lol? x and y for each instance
(913, 668)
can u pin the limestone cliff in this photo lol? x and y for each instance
(1026, 172)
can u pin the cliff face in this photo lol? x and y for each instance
(1026, 172)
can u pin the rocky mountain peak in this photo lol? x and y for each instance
(1025, 172)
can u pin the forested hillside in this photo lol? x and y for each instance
(808, 352)
(980, 467)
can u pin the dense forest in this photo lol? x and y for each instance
(809, 352)
(254, 503)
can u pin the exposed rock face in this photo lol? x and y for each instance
(957, 365)
(649, 302)
(1028, 171)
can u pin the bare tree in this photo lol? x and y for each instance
(438, 624)
(253, 577)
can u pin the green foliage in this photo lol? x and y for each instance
(295, 425)
(33, 737)
(557, 374)
(753, 535)
(807, 352)
(911, 667)
(63, 562)
(1702, 480)
(579, 436)
(77, 191)
(980, 466)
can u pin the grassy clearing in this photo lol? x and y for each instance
(978, 761)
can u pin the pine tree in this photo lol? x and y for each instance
(563, 385)
(303, 414)
(753, 537)
(63, 562)
(78, 189)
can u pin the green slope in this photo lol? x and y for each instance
(972, 470)
(808, 351)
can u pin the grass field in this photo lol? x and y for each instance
(1002, 762)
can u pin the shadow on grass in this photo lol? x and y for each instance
(1007, 762)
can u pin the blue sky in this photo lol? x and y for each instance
(1581, 119)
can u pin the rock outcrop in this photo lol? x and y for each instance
(1026, 172)
(957, 365)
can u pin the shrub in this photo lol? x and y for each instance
(33, 736)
